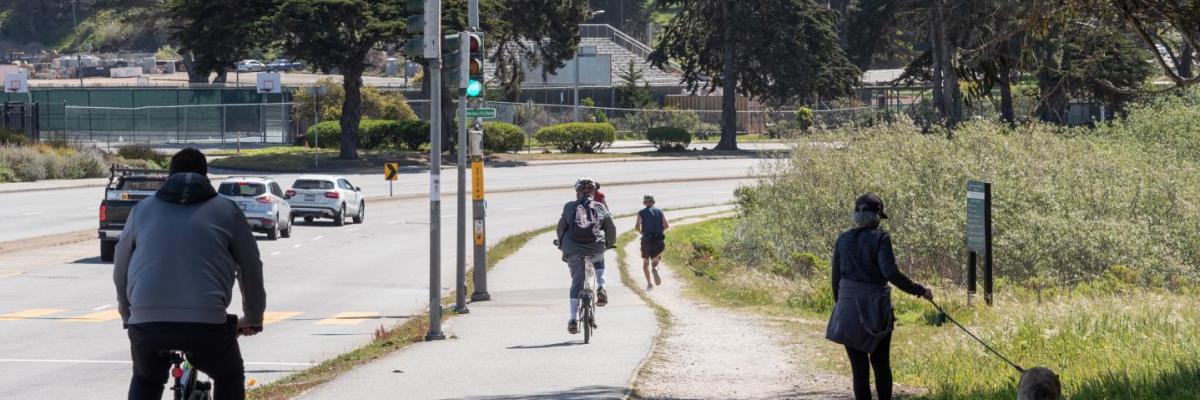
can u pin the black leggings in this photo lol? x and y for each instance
(213, 348)
(861, 364)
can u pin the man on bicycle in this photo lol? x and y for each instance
(585, 230)
(174, 269)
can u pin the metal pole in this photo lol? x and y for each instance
(479, 209)
(576, 109)
(435, 200)
(108, 129)
(316, 133)
(460, 298)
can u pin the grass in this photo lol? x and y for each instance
(386, 341)
(1118, 342)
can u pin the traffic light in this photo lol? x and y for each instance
(422, 23)
(452, 60)
(475, 83)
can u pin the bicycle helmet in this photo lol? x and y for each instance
(583, 183)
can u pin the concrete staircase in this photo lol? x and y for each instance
(622, 48)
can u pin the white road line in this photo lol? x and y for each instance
(395, 222)
(30, 214)
(514, 209)
(29, 360)
(318, 238)
(297, 245)
(276, 253)
(103, 307)
(350, 230)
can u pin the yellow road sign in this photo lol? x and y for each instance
(391, 171)
(477, 180)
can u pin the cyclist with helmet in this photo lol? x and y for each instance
(585, 229)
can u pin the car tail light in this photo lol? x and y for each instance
(177, 372)
(290, 193)
(103, 212)
(332, 195)
(264, 199)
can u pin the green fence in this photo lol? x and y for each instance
(160, 114)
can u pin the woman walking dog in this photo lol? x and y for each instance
(862, 319)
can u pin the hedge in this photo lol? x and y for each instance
(373, 134)
(578, 137)
(500, 137)
(667, 138)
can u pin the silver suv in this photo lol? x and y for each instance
(261, 199)
(326, 196)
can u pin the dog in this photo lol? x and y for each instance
(1039, 384)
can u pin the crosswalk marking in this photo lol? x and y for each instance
(271, 317)
(348, 318)
(101, 316)
(5, 274)
(30, 313)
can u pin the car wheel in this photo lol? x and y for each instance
(340, 218)
(287, 233)
(362, 213)
(274, 232)
(308, 220)
(107, 250)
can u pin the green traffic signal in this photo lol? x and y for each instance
(474, 88)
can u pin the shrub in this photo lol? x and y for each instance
(375, 104)
(87, 163)
(412, 134)
(1066, 207)
(12, 138)
(26, 163)
(805, 118)
(6, 174)
(669, 138)
(374, 133)
(639, 122)
(578, 137)
(141, 152)
(502, 137)
(330, 134)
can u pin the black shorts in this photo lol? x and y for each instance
(653, 248)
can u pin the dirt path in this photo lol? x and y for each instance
(715, 353)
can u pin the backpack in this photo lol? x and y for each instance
(586, 226)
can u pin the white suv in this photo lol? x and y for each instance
(262, 201)
(325, 196)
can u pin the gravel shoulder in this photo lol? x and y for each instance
(708, 352)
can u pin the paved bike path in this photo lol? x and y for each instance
(516, 346)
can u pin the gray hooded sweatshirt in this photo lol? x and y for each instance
(180, 253)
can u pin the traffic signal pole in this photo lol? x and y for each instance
(432, 51)
(460, 303)
(478, 203)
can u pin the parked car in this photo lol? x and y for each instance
(282, 65)
(262, 200)
(125, 188)
(250, 66)
(325, 196)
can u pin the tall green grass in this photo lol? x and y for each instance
(1107, 340)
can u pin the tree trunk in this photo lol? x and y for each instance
(1006, 99)
(351, 112)
(729, 84)
(1052, 102)
(842, 7)
(939, 101)
(222, 77)
(1186, 59)
(194, 76)
(951, 95)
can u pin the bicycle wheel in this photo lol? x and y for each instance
(587, 322)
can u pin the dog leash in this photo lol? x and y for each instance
(977, 339)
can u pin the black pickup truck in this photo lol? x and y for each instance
(125, 188)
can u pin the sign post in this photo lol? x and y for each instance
(979, 237)
(391, 172)
(479, 211)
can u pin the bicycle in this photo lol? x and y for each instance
(587, 299)
(188, 385)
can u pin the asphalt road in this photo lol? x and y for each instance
(328, 287)
(39, 213)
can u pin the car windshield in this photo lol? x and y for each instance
(312, 184)
(247, 189)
